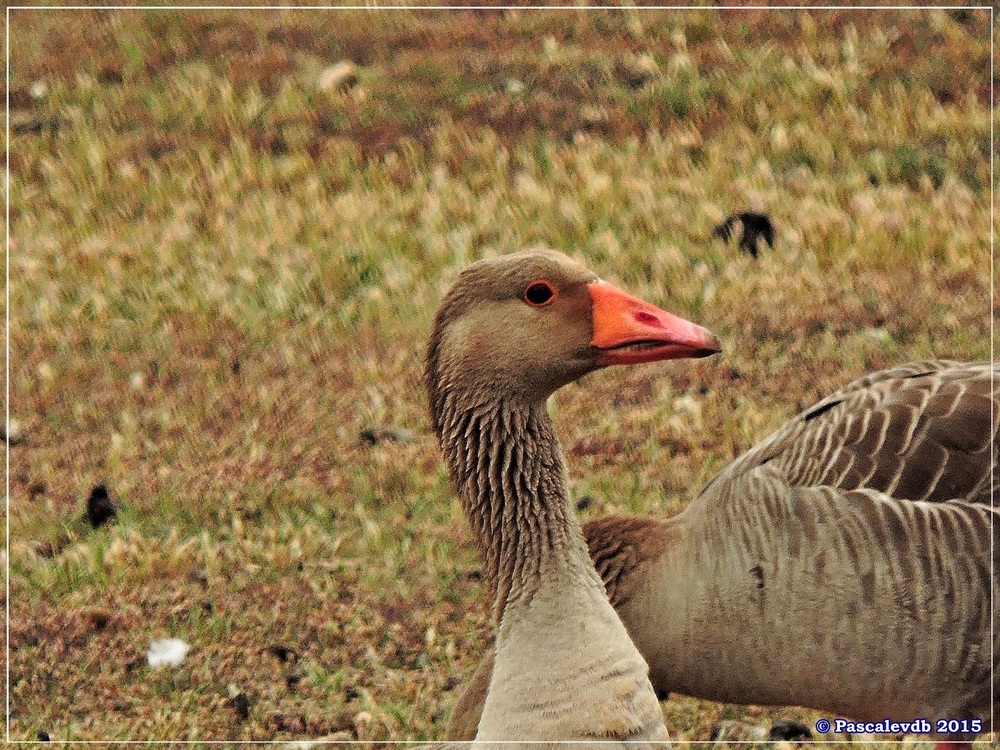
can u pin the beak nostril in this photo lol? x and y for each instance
(628, 330)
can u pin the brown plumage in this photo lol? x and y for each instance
(509, 333)
(843, 563)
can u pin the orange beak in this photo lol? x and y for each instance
(628, 331)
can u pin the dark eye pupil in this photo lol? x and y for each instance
(538, 294)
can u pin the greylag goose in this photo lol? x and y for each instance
(510, 332)
(842, 564)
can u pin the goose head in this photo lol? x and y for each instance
(518, 327)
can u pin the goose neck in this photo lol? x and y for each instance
(508, 467)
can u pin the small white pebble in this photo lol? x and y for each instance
(167, 652)
(779, 137)
(340, 76)
(514, 86)
(128, 170)
(879, 335)
(137, 381)
(38, 90)
(15, 433)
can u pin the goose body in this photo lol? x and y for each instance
(842, 564)
(508, 334)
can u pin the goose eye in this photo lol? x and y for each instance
(539, 293)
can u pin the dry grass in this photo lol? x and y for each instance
(221, 276)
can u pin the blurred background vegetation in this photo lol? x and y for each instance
(229, 231)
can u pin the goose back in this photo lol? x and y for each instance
(920, 431)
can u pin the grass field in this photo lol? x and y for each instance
(222, 275)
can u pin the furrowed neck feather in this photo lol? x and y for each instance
(506, 463)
